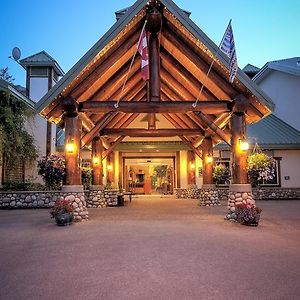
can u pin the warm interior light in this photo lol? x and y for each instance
(96, 160)
(192, 166)
(70, 147)
(209, 159)
(244, 145)
(109, 167)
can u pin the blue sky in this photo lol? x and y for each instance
(264, 30)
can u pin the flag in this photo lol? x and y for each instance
(227, 47)
(143, 50)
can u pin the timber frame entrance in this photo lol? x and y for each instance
(102, 95)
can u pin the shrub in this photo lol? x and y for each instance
(22, 186)
(221, 174)
(52, 169)
(86, 176)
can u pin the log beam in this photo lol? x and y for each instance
(141, 132)
(190, 145)
(113, 146)
(206, 107)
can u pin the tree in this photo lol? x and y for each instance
(16, 144)
(4, 74)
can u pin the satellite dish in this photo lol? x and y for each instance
(16, 53)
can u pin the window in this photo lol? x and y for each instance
(276, 180)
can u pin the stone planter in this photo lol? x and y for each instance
(64, 219)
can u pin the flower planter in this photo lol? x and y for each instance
(253, 222)
(64, 219)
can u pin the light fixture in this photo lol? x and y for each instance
(70, 147)
(109, 168)
(96, 160)
(244, 145)
(192, 166)
(209, 159)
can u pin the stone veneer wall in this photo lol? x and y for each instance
(102, 198)
(42, 199)
(270, 193)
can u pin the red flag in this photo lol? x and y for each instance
(143, 50)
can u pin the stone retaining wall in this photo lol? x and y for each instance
(42, 199)
(271, 193)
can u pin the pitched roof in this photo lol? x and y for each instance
(15, 92)
(185, 55)
(271, 133)
(274, 133)
(250, 69)
(289, 65)
(42, 59)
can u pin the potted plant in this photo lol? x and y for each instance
(260, 168)
(221, 174)
(248, 214)
(62, 212)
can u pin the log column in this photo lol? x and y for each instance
(97, 150)
(209, 194)
(110, 168)
(207, 154)
(73, 190)
(191, 168)
(154, 21)
(239, 191)
(72, 142)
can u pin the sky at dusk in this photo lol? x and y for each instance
(264, 30)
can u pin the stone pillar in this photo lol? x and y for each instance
(73, 187)
(239, 191)
(97, 150)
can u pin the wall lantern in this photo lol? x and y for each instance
(70, 147)
(209, 159)
(109, 168)
(244, 145)
(192, 166)
(96, 160)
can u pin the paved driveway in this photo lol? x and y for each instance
(157, 248)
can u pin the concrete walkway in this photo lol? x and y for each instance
(154, 248)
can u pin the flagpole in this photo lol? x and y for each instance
(117, 104)
(210, 67)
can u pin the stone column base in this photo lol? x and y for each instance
(209, 195)
(238, 194)
(74, 193)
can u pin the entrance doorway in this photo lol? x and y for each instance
(149, 175)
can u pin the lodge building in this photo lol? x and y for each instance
(129, 129)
